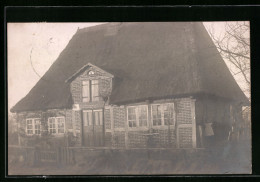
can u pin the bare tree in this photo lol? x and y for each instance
(234, 47)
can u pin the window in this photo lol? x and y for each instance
(87, 118)
(137, 116)
(33, 126)
(168, 111)
(93, 117)
(132, 117)
(98, 117)
(157, 115)
(85, 91)
(94, 90)
(56, 125)
(163, 114)
(91, 73)
(90, 91)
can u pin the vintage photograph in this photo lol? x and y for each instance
(129, 98)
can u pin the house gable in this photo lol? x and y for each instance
(84, 72)
(87, 74)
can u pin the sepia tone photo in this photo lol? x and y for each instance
(129, 98)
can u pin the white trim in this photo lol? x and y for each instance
(56, 125)
(33, 126)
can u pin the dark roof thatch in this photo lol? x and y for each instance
(148, 60)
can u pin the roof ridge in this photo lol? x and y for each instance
(100, 26)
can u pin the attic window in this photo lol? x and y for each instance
(91, 73)
(90, 91)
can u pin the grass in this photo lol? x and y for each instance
(229, 159)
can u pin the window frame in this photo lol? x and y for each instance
(83, 83)
(56, 125)
(162, 115)
(92, 85)
(93, 117)
(99, 111)
(33, 126)
(137, 117)
(90, 90)
(88, 111)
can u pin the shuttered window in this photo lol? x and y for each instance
(85, 91)
(90, 91)
(94, 90)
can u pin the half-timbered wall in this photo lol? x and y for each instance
(122, 136)
(70, 127)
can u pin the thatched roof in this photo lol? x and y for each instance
(148, 61)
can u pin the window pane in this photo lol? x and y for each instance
(131, 113)
(37, 126)
(157, 116)
(85, 91)
(101, 117)
(61, 124)
(29, 121)
(168, 114)
(96, 118)
(89, 118)
(142, 112)
(52, 126)
(95, 90)
(85, 118)
(132, 116)
(37, 121)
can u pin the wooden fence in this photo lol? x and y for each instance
(70, 155)
(38, 156)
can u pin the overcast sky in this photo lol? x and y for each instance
(33, 47)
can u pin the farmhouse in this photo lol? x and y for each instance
(135, 85)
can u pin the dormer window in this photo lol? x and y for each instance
(90, 91)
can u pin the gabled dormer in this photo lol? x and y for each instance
(90, 84)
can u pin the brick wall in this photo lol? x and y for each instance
(137, 139)
(119, 117)
(107, 119)
(184, 111)
(185, 137)
(119, 139)
(165, 138)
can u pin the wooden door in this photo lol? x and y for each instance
(93, 128)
